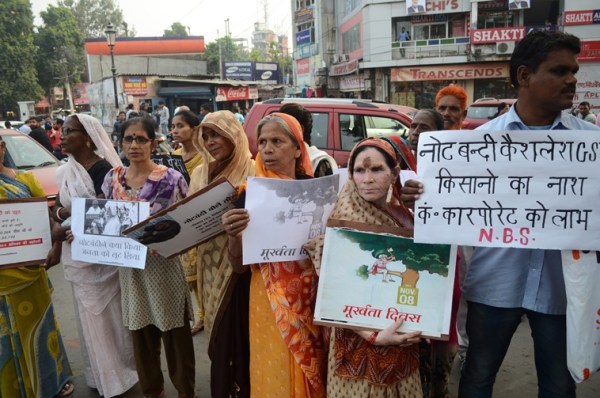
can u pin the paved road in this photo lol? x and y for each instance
(516, 378)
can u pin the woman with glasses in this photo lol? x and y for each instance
(156, 300)
(106, 345)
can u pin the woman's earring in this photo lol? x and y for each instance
(88, 144)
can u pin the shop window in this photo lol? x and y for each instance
(351, 39)
(431, 31)
(493, 88)
(495, 20)
(349, 5)
(318, 135)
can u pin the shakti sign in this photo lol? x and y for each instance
(441, 72)
(482, 36)
(226, 93)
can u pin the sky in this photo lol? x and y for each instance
(203, 17)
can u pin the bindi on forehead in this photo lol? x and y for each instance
(367, 162)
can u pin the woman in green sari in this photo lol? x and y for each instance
(33, 360)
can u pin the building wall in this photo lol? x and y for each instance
(100, 66)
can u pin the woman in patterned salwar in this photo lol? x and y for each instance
(185, 134)
(33, 360)
(156, 300)
(287, 354)
(362, 363)
(224, 144)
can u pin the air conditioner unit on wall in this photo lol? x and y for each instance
(345, 57)
(505, 47)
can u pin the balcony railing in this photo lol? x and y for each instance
(431, 48)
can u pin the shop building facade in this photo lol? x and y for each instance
(381, 51)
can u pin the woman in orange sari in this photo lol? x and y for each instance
(287, 354)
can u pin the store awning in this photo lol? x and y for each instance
(185, 91)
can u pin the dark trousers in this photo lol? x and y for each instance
(490, 330)
(179, 352)
(230, 344)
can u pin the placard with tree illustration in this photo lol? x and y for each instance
(369, 280)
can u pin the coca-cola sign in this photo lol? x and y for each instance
(226, 93)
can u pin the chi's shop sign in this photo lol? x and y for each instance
(225, 93)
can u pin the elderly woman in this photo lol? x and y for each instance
(363, 363)
(224, 144)
(185, 134)
(288, 356)
(156, 300)
(106, 345)
(33, 359)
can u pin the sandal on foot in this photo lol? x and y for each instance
(198, 327)
(66, 390)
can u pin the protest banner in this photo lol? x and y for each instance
(97, 226)
(526, 189)
(24, 232)
(284, 215)
(369, 280)
(187, 223)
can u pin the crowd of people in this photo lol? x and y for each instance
(259, 318)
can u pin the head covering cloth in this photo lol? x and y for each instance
(296, 129)
(72, 178)
(239, 164)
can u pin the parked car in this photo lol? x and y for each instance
(25, 153)
(15, 124)
(338, 124)
(482, 111)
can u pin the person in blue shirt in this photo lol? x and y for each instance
(503, 284)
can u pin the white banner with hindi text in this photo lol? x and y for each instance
(526, 189)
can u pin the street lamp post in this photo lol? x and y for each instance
(111, 37)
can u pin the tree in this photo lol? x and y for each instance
(18, 76)
(60, 44)
(177, 30)
(275, 54)
(230, 52)
(416, 257)
(93, 16)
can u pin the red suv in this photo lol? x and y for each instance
(482, 111)
(338, 124)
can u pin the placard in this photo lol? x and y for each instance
(187, 223)
(525, 189)
(172, 161)
(24, 232)
(369, 280)
(284, 215)
(97, 226)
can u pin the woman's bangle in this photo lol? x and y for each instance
(372, 337)
(57, 213)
